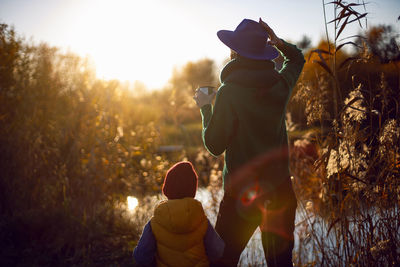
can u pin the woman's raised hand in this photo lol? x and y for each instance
(273, 39)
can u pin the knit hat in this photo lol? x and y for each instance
(180, 181)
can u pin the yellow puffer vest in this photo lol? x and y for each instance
(179, 226)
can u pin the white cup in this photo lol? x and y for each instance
(208, 90)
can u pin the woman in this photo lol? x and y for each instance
(247, 122)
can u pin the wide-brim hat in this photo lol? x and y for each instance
(249, 40)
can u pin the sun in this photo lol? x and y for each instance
(130, 40)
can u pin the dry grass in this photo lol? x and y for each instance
(73, 147)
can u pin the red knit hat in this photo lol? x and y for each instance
(180, 181)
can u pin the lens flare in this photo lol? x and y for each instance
(249, 195)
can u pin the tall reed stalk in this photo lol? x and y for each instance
(354, 220)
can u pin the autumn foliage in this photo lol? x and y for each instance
(73, 147)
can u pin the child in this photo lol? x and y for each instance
(179, 233)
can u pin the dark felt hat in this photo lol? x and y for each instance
(249, 40)
(180, 181)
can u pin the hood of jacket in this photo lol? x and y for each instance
(179, 216)
(250, 73)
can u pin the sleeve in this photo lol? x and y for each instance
(145, 251)
(218, 123)
(213, 243)
(292, 65)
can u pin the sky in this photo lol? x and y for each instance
(134, 40)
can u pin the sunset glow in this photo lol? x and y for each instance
(123, 41)
(132, 40)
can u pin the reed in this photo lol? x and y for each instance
(348, 189)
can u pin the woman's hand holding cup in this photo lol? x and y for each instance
(204, 95)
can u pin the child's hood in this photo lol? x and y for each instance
(179, 215)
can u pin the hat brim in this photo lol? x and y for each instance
(229, 39)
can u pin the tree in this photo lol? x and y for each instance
(181, 88)
(304, 43)
(383, 42)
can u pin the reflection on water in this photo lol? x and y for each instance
(132, 203)
(310, 230)
(253, 254)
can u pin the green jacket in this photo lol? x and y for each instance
(248, 116)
